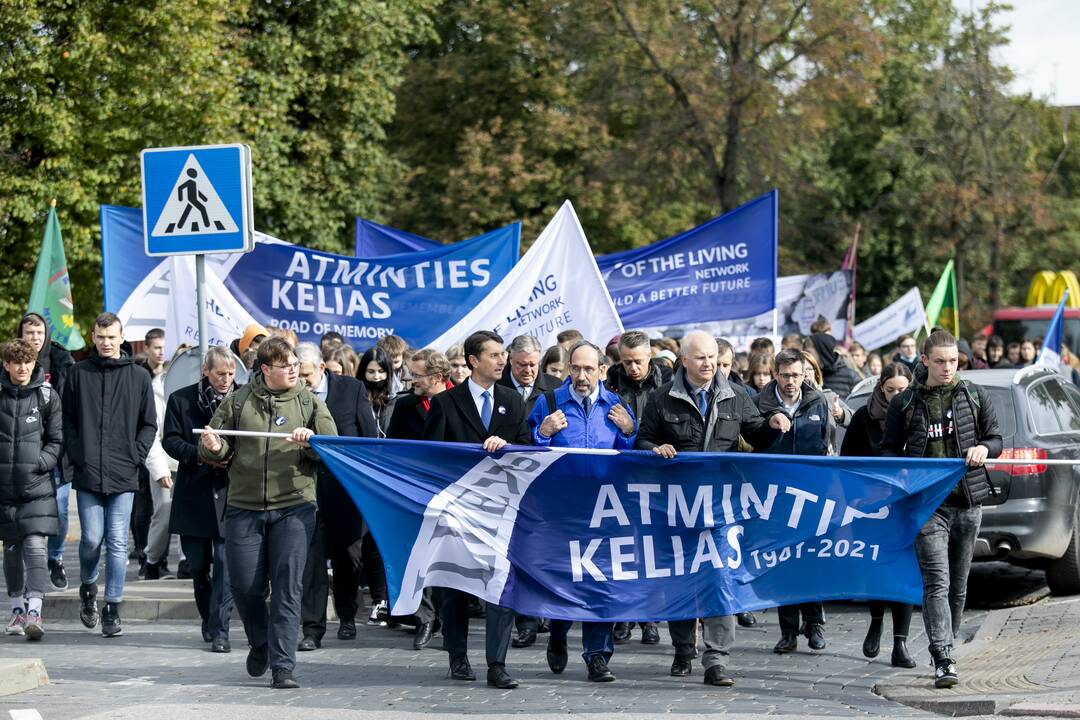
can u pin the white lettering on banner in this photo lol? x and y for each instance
(631, 556)
(436, 275)
(328, 299)
(465, 537)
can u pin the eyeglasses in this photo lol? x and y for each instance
(288, 366)
(579, 370)
(789, 376)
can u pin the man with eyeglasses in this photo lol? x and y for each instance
(700, 411)
(270, 506)
(582, 413)
(792, 397)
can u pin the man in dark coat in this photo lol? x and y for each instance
(942, 415)
(430, 372)
(478, 411)
(30, 445)
(811, 419)
(199, 494)
(109, 425)
(55, 361)
(339, 528)
(699, 411)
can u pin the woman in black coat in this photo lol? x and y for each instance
(30, 443)
(863, 439)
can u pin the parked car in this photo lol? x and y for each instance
(1034, 520)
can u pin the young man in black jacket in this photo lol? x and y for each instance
(941, 415)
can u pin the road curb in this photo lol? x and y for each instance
(18, 676)
(1062, 710)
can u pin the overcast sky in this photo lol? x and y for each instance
(1045, 47)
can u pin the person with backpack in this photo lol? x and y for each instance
(30, 444)
(270, 502)
(941, 415)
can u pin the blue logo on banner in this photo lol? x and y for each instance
(629, 535)
(722, 270)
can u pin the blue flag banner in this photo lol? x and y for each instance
(417, 296)
(605, 535)
(722, 270)
(375, 240)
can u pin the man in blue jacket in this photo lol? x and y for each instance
(582, 413)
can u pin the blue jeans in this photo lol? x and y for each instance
(98, 512)
(57, 542)
(597, 638)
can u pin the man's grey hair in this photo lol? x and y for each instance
(601, 358)
(684, 344)
(634, 338)
(216, 354)
(309, 352)
(525, 344)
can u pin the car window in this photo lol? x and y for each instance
(1072, 395)
(1004, 409)
(1043, 411)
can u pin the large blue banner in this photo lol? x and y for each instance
(375, 240)
(417, 296)
(631, 536)
(722, 270)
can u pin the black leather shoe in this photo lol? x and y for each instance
(556, 656)
(746, 619)
(206, 636)
(524, 639)
(460, 669)
(871, 645)
(346, 630)
(283, 680)
(220, 645)
(623, 632)
(716, 676)
(681, 666)
(258, 661)
(423, 636)
(499, 678)
(650, 635)
(598, 670)
(307, 644)
(815, 633)
(900, 655)
(786, 644)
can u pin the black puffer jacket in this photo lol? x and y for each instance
(636, 395)
(110, 422)
(30, 443)
(974, 423)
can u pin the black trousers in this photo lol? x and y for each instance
(373, 569)
(210, 580)
(813, 613)
(346, 562)
(268, 550)
(901, 615)
(455, 627)
(142, 511)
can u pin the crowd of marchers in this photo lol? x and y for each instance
(266, 529)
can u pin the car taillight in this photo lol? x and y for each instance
(1020, 454)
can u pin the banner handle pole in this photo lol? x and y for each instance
(200, 299)
(776, 324)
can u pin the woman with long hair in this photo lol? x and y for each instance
(375, 371)
(759, 371)
(555, 362)
(863, 439)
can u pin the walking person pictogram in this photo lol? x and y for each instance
(195, 200)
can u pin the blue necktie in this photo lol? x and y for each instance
(485, 409)
(703, 402)
(587, 404)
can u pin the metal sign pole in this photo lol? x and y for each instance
(200, 298)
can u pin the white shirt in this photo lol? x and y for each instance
(477, 396)
(321, 389)
(523, 390)
(789, 409)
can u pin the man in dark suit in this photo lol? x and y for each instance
(478, 411)
(198, 502)
(522, 372)
(338, 531)
(430, 372)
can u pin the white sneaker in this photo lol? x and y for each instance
(16, 624)
(379, 614)
(33, 626)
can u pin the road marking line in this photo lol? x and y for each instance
(30, 714)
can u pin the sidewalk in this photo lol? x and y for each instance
(1021, 661)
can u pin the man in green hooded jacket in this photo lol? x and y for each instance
(270, 502)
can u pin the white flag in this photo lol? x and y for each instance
(225, 317)
(556, 286)
(906, 315)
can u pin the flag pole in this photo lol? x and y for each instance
(200, 298)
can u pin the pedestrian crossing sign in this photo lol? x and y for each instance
(197, 200)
